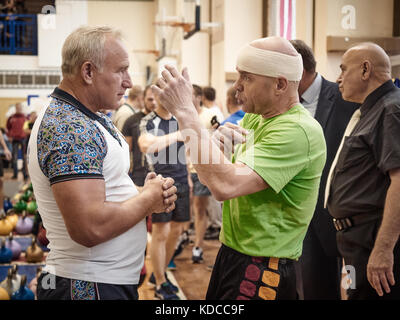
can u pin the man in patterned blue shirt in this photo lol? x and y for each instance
(93, 213)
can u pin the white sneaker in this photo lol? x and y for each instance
(197, 255)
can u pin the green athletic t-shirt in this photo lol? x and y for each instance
(288, 151)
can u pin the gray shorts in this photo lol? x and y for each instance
(181, 213)
(199, 189)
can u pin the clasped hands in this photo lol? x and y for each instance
(163, 192)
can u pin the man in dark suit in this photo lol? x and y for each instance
(319, 268)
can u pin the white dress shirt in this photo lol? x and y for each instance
(311, 95)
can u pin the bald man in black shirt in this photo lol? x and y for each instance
(364, 193)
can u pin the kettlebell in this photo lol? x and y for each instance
(12, 282)
(31, 207)
(15, 274)
(12, 217)
(23, 292)
(5, 253)
(33, 284)
(20, 206)
(4, 294)
(16, 198)
(27, 186)
(7, 205)
(5, 226)
(24, 224)
(27, 196)
(34, 253)
(14, 246)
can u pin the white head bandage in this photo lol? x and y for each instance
(270, 63)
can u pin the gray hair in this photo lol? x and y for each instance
(85, 44)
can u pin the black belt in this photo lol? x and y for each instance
(346, 223)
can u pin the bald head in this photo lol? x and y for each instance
(365, 67)
(276, 44)
(375, 55)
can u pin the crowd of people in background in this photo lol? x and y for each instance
(152, 133)
(13, 143)
(16, 135)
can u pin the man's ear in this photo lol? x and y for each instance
(366, 70)
(87, 72)
(281, 85)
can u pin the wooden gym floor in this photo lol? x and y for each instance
(192, 279)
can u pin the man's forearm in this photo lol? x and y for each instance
(131, 212)
(214, 169)
(3, 143)
(95, 221)
(389, 231)
(149, 143)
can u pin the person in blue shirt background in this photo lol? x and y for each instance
(234, 108)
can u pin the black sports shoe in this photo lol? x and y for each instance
(165, 292)
(212, 233)
(152, 282)
(182, 242)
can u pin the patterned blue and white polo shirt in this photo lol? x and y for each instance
(68, 141)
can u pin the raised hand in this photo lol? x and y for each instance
(174, 90)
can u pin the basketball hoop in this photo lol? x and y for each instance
(154, 52)
(187, 27)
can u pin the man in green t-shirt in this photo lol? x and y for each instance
(270, 187)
